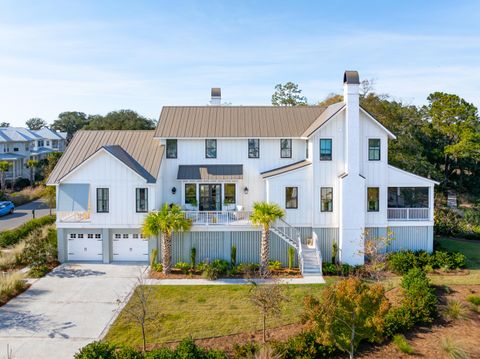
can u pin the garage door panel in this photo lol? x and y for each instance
(127, 248)
(85, 249)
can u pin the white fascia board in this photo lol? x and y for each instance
(390, 134)
(413, 175)
(287, 172)
(91, 158)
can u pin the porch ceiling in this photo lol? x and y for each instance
(210, 172)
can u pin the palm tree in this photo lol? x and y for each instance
(4, 166)
(32, 164)
(167, 220)
(264, 214)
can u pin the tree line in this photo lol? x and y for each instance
(438, 140)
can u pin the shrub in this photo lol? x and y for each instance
(153, 257)
(96, 350)
(247, 350)
(453, 349)
(162, 353)
(291, 257)
(38, 271)
(329, 268)
(398, 320)
(40, 248)
(303, 346)
(248, 267)
(13, 236)
(233, 256)
(215, 269)
(474, 299)
(125, 352)
(419, 296)
(188, 349)
(402, 344)
(402, 262)
(274, 265)
(193, 257)
(157, 267)
(454, 310)
(183, 266)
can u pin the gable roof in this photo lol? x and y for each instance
(17, 134)
(331, 111)
(122, 155)
(136, 146)
(235, 121)
(285, 169)
(48, 134)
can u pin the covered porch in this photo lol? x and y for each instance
(410, 204)
(16, 168)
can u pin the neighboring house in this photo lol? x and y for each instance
(326, 166)
(18, 145)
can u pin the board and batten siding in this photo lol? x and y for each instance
(413, 238)
(213, 245)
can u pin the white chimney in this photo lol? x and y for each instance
(216, 96)
(352, 185)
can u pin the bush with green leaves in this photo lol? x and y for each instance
(183, 266)
(291, 257)
(451, 223)
(157, 267)
(7, 238)
(247, 350)
(402, 344)
(233, 256)
(303, 346)
(274, 265)
(193, 257)
(401, 262)
(216, 269)
(96, 350)
(474, 299)
(329, 268)
(40, 248)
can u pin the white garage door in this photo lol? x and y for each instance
(129, 247)
(85, 247)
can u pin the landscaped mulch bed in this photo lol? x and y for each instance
(177, 274)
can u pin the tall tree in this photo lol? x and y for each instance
(288, 94)
(70, 122)
(167, 220)
(36, 124)
(454, 130)
(120, 120)
(264, 214)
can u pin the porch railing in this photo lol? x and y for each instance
(73, 217)
(408, 214)
(222, 218)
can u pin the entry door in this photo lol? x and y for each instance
(210, 197)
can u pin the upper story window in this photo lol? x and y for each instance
(15, 149)
(286, 148)
(291, 197)
(191, 194)
(141, 200)
(210, 148)
(326, 194)
(373, 199)
(102, 200)
(55, 143)
(253, 148)
(171, 148)
(325, 149)
(374, 149)
(48, 143)
(40, 143)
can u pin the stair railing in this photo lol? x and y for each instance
(292, 236)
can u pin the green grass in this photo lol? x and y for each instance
(470, 249)
(205, 311)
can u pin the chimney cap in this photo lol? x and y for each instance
(350, 78)
(216, 92)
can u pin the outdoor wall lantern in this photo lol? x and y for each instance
(245, 190)
(174, 190)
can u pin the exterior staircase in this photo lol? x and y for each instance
(309, 259)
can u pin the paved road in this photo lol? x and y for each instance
(24, 213)
(67, 309)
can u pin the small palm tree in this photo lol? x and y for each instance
(32, 164)
(167, 220)
(264, 214)
(4, 167)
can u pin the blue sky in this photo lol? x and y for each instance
(99, 56)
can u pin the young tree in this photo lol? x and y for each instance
(138, 309)
(288, 94)
(268, 298)
(36, 123)
(167, 220)
(51, 197)
(375, 251)
(350, 311)
(32, 164)
(264, 214)
(4, 167)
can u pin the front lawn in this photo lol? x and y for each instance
(205, 311)
(470, 248)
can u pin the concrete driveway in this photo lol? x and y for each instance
(60, 313)
(24, 213)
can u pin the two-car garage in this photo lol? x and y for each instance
(123, 246)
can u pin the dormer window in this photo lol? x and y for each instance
(286, 148)
(210, 148)
(171, 148)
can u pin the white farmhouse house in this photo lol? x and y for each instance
(326, 166)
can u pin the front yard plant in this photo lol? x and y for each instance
(11, 284)
(401, 262)
(13, 236)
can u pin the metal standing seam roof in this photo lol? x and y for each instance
(210, 172)
(48, 134)
(118, 152)
(235, 121)
(285, 169)
(139, 145)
